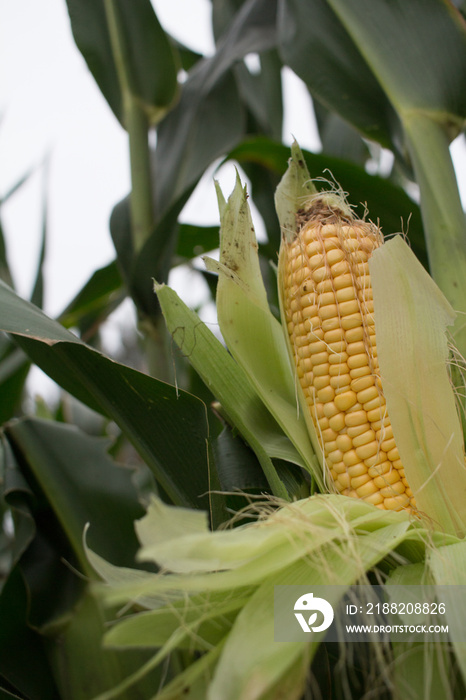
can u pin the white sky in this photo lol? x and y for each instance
(52, 110)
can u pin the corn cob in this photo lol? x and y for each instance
(328, 309)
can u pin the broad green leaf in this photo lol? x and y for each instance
(317, 46)
(150, 413)
(37, 294)
(253, 336)
(223, 14)
(188, 57)
(229, 384)
(339, 138)
(17, 494)
(416, 50)
(251, 29)
(155, 258)
(410, 308)
(14, 369)
(195, 240)
(208, 120)
(237, 466)
(83, 667)
(82, 485)
(124, 42)
(262, 93)
(21, 647)
(206, 123)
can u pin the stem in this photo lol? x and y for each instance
(442, 213)
(141, 200)
(136, 123)
(142, 210)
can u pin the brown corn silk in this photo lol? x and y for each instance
(329, 312)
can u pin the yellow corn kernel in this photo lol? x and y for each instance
(364, 438)
(395, 489)
(356, 430)
(344, 442)
(330, 409)
(355, 418)
(362, 383)
(341, 380)
(351, 458)
(337, 422)
(357, 470)
(321, 381)
(341, 368)
(360, 481)
(346, 400)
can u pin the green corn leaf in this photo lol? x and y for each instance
(65, 463)
(416, 50)
(127, 52)
(319, 49)
(148, 411)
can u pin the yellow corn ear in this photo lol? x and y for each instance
(329, 313)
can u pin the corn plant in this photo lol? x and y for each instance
(235, 486)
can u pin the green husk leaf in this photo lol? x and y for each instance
(261, 662)
(179, 540)
(251, 332)
(294, 188)
(271, 545)
(412, 315)
(305, 545)
(203, 619)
